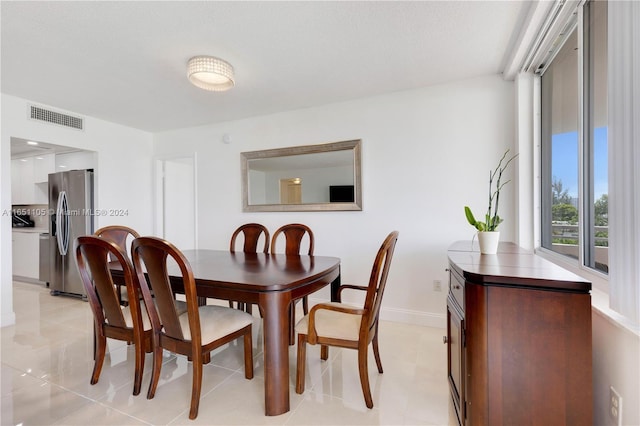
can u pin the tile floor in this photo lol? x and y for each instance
(47, 363)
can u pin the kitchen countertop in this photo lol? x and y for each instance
(28, 230)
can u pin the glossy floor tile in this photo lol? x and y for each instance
(47, 360)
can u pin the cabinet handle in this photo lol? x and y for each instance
(444, 339)
(457, 287)
(446, 269)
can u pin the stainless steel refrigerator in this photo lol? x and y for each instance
(70, 216)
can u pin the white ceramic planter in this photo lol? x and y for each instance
(488, 242)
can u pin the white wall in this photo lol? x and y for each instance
(425, 154)
(616, 355)
(123, 177)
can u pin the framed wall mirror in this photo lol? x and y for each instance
(323, 177)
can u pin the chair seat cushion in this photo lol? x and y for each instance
(181, 308)
(216, 322)
(126, 313)
(332, 324)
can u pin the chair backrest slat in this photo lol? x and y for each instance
(117, 234)
(251, 233)
(92, 256)
(378, 279)
(155, 253)
(294, 233)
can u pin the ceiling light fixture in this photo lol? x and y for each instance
(210, 73)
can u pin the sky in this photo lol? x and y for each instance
(564, 163)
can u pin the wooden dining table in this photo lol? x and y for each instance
(273, 282)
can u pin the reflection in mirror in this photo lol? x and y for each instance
(304, 178)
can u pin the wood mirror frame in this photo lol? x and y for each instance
(323, 154)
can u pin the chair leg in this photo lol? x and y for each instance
(324, 352)
(100, 347)
(139, 365)
(95, 342)
(305, 305)
(292, 324)
(206, 358)
(376, 351)
(155, 374)
(364, 375)
(196, 385)
(302, 356)
(248, 354)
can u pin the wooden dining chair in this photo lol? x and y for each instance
(194, 333)
(337, 324)
(294, 234)
(129, 323)
(251, 235)
(121, 236)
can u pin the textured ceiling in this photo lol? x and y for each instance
(125, 62)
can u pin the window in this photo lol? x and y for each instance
(574, 162)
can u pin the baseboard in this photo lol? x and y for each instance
(406, 316)
(427, 319)
(28, 280)
(7, 319)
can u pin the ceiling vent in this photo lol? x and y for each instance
(54, 117)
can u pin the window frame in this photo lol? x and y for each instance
(585, 160)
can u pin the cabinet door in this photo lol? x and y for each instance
(456, 357)
(75, 161)
(22, 187)
(26, 258)
(16, 182)
(42, 166)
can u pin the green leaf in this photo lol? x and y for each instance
(469, 215)
(472, 220)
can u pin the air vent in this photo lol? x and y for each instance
(54, 117)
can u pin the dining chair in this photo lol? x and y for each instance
(121, 236)
(345, 326)
(194, 333)
(294, 234)
(251, 235)
(129, 323)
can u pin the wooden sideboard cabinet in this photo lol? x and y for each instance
(518, 339)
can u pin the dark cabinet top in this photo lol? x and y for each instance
(512, 266)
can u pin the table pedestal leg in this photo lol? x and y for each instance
(275, 308)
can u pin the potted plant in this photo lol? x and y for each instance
(488, 236)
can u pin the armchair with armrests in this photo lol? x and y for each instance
(337, 324)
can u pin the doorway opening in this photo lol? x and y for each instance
(176, 205)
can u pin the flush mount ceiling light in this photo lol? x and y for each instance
(210, 73)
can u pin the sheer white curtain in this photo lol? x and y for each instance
(624, 157)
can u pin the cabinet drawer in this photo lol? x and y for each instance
(456, 287)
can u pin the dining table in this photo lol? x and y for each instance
(271, 281)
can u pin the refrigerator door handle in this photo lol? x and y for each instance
(63, 223)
